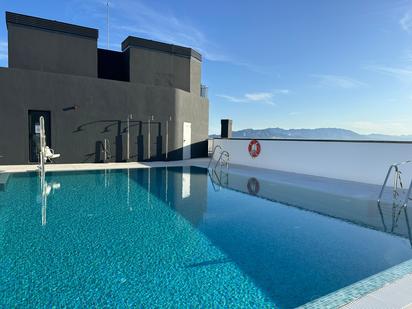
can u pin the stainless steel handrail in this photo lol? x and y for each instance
(224, 152)
(213, 181)
(214, 175)
(222, 160)
(396, 177)
(408, 226)
(213, 154)
(408, 196)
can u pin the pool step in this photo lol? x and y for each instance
(4, 178)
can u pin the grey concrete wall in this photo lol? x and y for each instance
(194, 109)
(50, 51)
(158, 68)
(102, 108)
(54, 67)
(195, 76)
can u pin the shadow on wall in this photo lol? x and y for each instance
(198, 150)
(114, 131)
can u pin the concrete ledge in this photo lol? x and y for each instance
(51, 25)
(132, 41)
(316, 140)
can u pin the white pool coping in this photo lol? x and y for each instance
(397, 294)
(201, 162)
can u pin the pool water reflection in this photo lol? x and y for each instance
(171, 236)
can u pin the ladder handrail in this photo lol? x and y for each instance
(218, 180)
(408, 196)
(213, 182)
(213, 154)
(213, 172)
(393, 166)
(224, 152)
(408, 226)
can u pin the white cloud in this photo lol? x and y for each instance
(262, 97)
(337, 81)
(398, 127)
(263, 70)
(406, 22)
(407, 56)
(403, 74)
(140, 19)
(281, 91)
(257, 97)
(133, 17)
(231, 98)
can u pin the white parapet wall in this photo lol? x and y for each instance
(362, 161)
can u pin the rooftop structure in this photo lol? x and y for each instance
(88, 95)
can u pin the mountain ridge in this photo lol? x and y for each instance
(318, 133)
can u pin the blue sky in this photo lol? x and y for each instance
(274, 63)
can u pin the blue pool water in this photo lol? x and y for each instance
(171, 238)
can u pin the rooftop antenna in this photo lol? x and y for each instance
(108, 34)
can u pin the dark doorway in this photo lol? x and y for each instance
(34, 133)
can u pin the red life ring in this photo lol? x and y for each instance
(254, 148)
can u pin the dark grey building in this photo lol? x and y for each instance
(86, 95)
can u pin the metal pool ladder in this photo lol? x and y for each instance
(397, 184)
(223, 159)
(216, 173)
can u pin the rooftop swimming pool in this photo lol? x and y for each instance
(174, 237)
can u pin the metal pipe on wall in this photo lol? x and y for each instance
(130, 116)
(167, 137)
(105, 150)
(148, 138)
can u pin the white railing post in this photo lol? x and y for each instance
(42, 145)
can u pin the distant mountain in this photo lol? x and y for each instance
(321, 133)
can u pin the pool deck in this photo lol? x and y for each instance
(393, 295)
